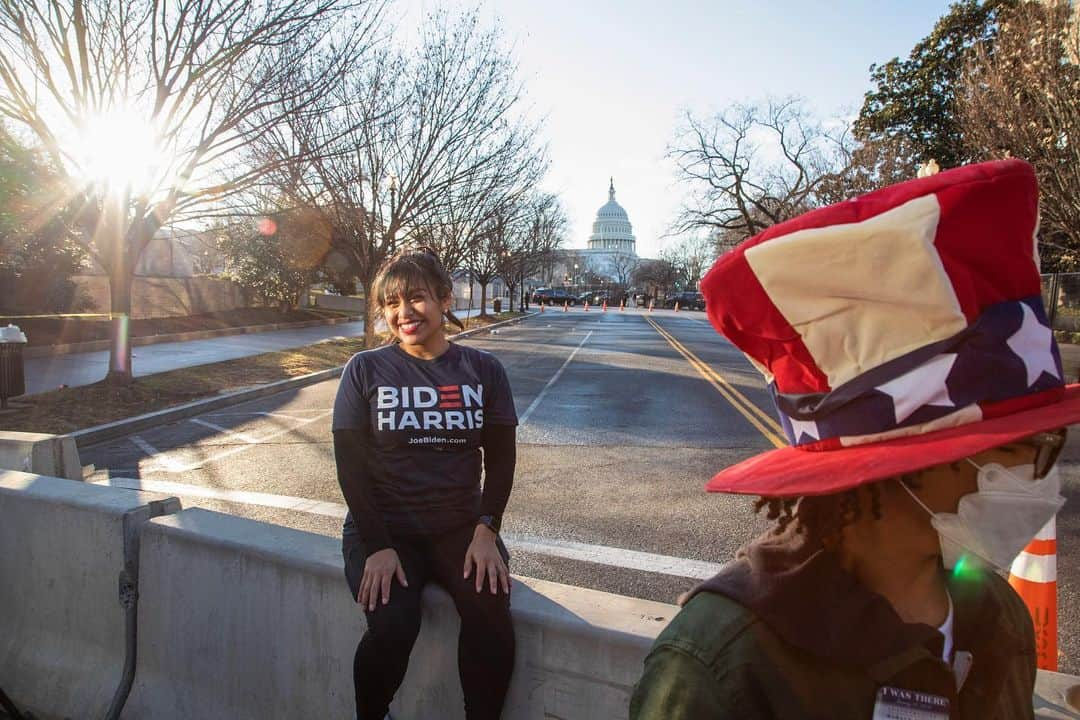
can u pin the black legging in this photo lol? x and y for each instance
(485, 644)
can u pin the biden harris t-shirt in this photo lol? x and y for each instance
(425, 419)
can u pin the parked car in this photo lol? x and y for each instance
(554, 296)
(594, 297)
(687, 300)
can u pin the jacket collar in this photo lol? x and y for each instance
(805, 596)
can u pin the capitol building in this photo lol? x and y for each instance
(612, 231)
(610, 256)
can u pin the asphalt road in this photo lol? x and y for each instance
(620, 430)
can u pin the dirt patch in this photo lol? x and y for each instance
(63, 330)
(70, 409)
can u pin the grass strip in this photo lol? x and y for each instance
(69, 409)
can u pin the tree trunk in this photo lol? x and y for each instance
(120, 282)
(483, 299)
(511, 289)
(371, 315)
(469, 315)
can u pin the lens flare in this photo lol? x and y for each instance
(267, 226)
(118, 149)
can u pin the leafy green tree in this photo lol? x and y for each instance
(277, 256)
(38, 250)
(914, 100)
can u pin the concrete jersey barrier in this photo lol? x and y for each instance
(240, 619)
(52, 455)
(65, 545)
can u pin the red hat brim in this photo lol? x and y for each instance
(791, 472)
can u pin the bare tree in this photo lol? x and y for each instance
(1020, 97)
(200, 79)
(419, 150)
(623, 265)
(530, 239)
(690, 257)
(753, 166)
(484, 258)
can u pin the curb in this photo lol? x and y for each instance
(119, 428)
(37, 351)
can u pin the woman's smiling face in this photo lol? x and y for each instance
(415, 318)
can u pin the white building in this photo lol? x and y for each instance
(610, 255)
(611, 230)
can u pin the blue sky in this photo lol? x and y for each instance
(613, 78)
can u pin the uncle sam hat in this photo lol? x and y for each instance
(896, 331)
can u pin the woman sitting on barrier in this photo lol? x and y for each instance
(905, 344)
(410, 420)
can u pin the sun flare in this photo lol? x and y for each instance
(119, 151)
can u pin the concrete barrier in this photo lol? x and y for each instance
(64, 546)
(239, 619)
(53, 455)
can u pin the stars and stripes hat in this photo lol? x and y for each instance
(896, 331)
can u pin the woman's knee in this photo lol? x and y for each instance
(485, 611)
(398, 621)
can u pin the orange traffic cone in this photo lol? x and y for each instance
(622, 306)
(586, 306)
(1033, 576)
(676, 306)
(651, 303)
(605, 306)
(565, 306)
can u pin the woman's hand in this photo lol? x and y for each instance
(484, 554)
(380, 568)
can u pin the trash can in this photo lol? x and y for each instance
(496, 305)
(12, 378)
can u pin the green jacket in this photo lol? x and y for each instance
(785, 632)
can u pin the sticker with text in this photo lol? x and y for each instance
(900, 704)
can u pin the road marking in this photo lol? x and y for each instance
(152, 452)
(536, 401)
(143, 445)
(755, 415)
(244, 497)
(597, 554)
(174, 466)
(225, 431)
(291, 415)
(613, 557)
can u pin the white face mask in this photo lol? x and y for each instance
(995, 523)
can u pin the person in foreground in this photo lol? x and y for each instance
(410, 421)
(905, 344)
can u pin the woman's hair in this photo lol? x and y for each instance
(825, 516)
(413, 268)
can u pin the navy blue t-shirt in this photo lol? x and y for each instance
(426, 420)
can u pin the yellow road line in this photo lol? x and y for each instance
(766, 425)
(762, 415)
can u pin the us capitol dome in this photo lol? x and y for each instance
(612, 231)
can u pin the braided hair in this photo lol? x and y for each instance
(826, 516)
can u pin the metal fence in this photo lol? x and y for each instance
(1061, 295)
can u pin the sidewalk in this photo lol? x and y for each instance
(49, 373)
